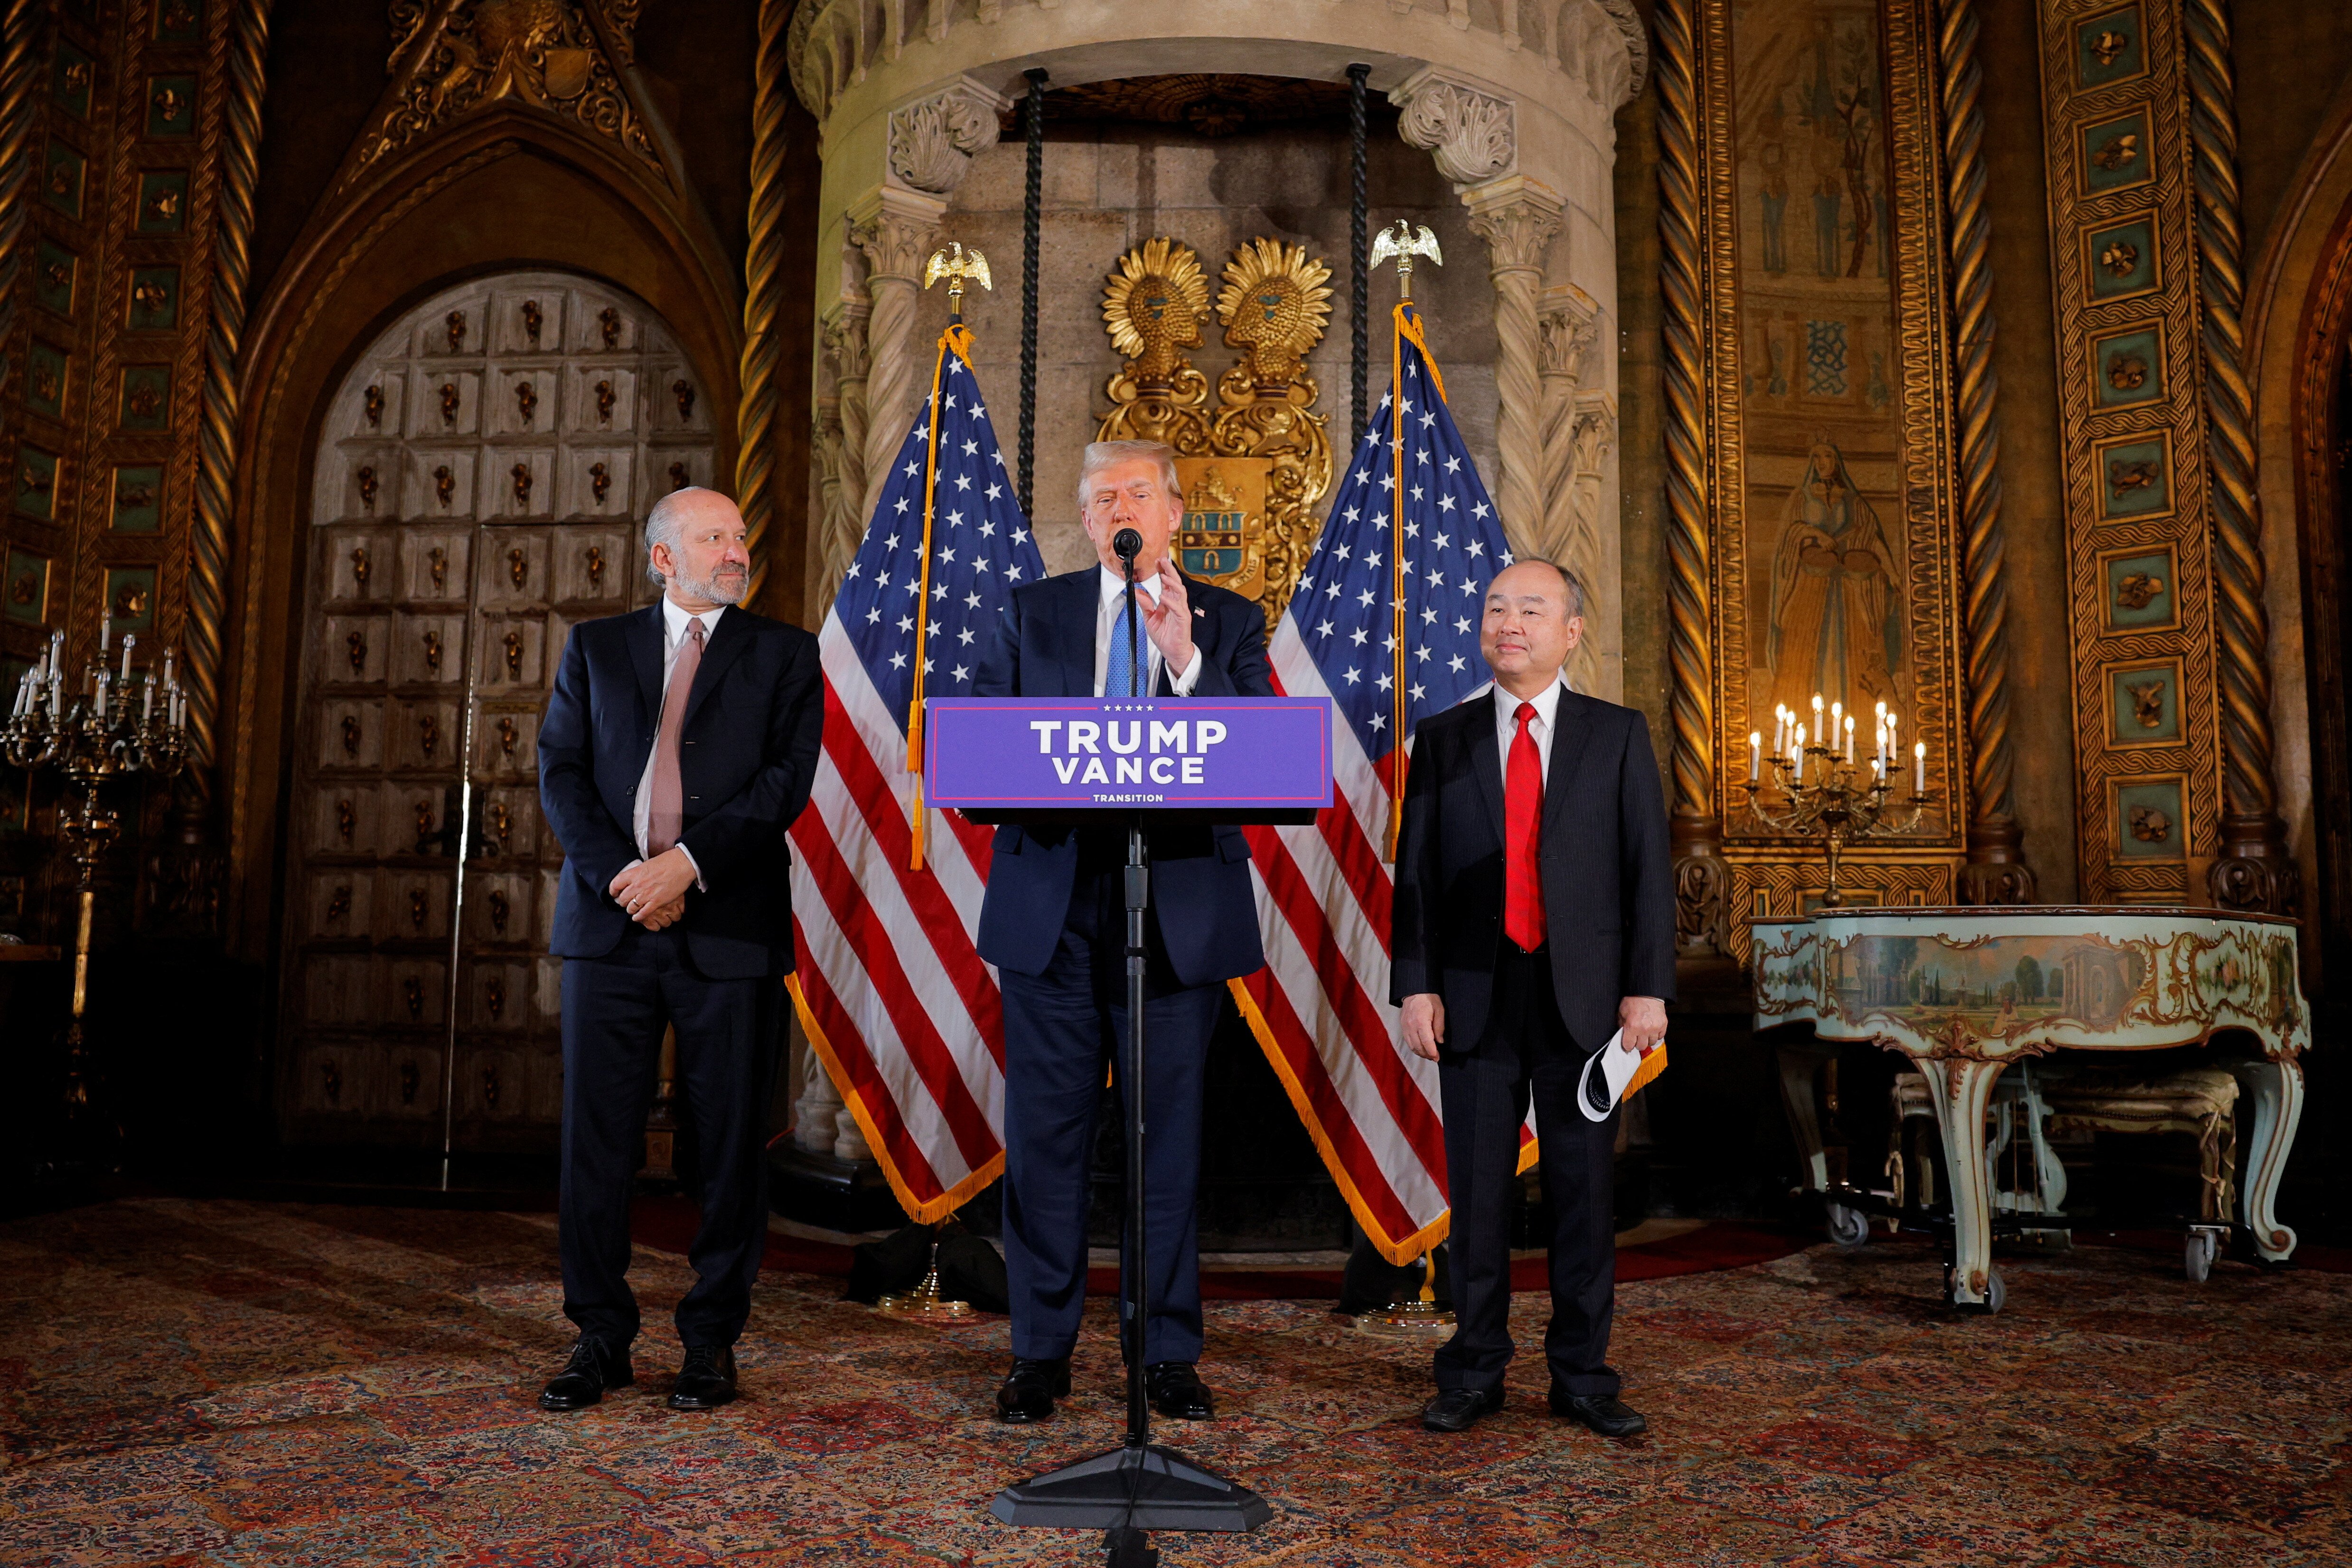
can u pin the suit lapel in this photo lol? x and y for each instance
(726, 641)
(644, 636)
(1571, 730)
(1074, 627)
(1486, 763)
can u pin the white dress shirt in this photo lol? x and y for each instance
(1506, 723)
(674, 621)
(1110, 621)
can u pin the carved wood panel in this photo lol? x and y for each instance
(478, 491)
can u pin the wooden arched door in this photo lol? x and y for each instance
(480, 483)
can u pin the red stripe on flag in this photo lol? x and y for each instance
(942, 926)
(933, 1062)
(1367, 1032)
(1331, 1111)
(1359, 866)
(855, 1059)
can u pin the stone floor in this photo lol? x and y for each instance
(202, 1383)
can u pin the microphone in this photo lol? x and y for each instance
(1126, 544)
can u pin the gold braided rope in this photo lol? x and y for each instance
(20, 26)
(755, 459)
(1985, 603)
(1688, 545)
(245, 36)
(2247, 786)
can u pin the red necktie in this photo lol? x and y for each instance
(1523, 910)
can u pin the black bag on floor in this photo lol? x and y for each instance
(1372, 1281)
(895, 1263)
(971, 1270)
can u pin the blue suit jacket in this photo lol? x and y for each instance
(747, 755)
(1045, 647)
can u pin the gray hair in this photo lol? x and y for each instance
(662, 526)
(1572, 585)
(1102, 454)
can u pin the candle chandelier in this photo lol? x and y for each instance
(1825, 791)
(110, 722)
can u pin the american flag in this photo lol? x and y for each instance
(1321, 1005)
(890, 989)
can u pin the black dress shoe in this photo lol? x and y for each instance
(1177, 1391)
(1605, 1413)
(1030, 1388)
(593, 1367)
(1458, 1409)
(705, 1380)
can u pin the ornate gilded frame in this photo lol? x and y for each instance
(2118, 446)
(1771, 873)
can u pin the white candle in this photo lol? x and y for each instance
(1848, 740)
(1755, 755)
(103, 679)
(25, 697)
(105, 633)
(129, 641)
(168, 655)
(1817, 713)
(146, 702)
(1920, 756)
(1837, 720)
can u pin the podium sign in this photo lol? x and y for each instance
(1059, 754)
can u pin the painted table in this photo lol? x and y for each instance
(1965, 992)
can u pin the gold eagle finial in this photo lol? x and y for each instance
(1402, 243)
(958, 265)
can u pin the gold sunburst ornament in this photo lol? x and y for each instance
(1153, 305)
(1275, 304)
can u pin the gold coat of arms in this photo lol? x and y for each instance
(1252, 468)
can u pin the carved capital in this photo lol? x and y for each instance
(1996, 874)
(1702, 888)
(2254, 872)
(1567, 321)
(842, 338)
(1471, 131)
(1595, 430)
(894, 230)
(932, 139)
(1517, 218)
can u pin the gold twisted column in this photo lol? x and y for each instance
(244, 37)
(1702, 880)
(20, 26)
(1996, 871)
(2254, 870)
(1516, 217)
(755, 422)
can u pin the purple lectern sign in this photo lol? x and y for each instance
(1079, 753)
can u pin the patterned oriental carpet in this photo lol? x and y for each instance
(197, 1383)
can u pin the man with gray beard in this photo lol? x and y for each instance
(678, 747)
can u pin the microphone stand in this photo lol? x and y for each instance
(1139, 1485)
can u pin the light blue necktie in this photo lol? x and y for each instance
(1121, 665)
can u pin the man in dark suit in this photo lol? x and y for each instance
(1053, 923)
(1534, 917)
(678, 747)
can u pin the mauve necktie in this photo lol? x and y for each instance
(1523, 910)
(669, 793)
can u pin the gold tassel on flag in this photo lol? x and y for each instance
(956, 265)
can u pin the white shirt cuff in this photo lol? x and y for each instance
(688, 853)
(1182, 685)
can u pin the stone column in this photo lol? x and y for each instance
(1517, 218)
(893, 229)
(1592, 435)
(932, 139)
(1472, 133)
(841, 434)
(1567, 323)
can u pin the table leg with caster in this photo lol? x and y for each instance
(2276, 1090)
(1963, 1088)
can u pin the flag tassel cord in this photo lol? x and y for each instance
(957, 340)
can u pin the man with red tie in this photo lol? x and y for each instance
(1533, 918)
(678, 745)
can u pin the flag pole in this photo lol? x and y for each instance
(1404, 243)
(955, 263)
